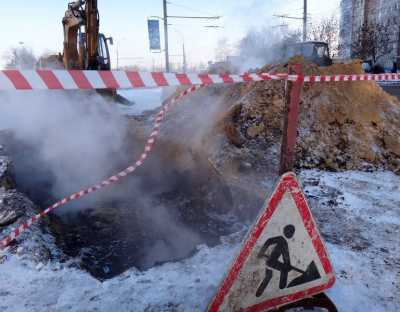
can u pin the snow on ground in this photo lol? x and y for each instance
(358, 213)
(144, 99)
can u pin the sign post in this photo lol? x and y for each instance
(292, 109)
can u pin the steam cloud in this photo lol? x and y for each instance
(264, 46)
(67, 141)
(70, 140)
(76, 137)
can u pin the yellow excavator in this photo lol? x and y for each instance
(84, 46)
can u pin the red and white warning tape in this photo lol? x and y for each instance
(111, 180)
(92, 79)
(361, 77)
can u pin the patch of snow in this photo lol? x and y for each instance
(367, 278)
(143, 99)
(182, 286)
(358, 287)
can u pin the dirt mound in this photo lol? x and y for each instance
(238, 129)
(343, 126)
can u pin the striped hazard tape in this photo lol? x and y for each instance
(361, 77)
(111, 180)
(92, 79)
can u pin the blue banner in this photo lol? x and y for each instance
(154, 34)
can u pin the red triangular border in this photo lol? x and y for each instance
(287, 183)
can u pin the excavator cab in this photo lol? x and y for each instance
(103, 53)
(314, 51)
(103, 59)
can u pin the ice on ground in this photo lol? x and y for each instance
(358, 214)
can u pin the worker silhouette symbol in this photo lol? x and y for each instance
(280, 250)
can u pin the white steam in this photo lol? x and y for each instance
(76, 136)
(264, 46)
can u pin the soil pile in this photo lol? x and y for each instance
(343, 126)
(238, 130)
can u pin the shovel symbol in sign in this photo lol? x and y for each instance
(272, 260)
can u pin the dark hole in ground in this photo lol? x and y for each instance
(160, 214)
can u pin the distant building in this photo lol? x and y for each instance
(357, 12)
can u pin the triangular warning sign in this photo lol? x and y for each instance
(283, 258)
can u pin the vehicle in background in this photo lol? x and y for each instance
(314, 51)
(379, 68)
(229, 66)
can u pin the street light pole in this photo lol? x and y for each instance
(184, 58)
(184, 63)
(166, 36)
(117, 57)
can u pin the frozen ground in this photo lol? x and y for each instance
(358, 214)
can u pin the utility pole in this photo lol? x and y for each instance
(398, 52)
(166, 36)
(305, 21)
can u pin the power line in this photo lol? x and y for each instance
(288, 17)
(195, 17)
(189, 8)
(165, 18)
(304, 19)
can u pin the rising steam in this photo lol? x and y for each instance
(75, 137)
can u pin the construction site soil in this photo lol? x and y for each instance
(238, 129)
(214, 163)
(342, 125)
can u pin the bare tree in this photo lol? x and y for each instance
(373, 42)
(327, 31)
(20, 57)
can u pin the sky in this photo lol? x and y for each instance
(37, 25)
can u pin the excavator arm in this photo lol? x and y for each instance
(92, 33)
(84, 46)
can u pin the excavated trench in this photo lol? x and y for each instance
(161, 213)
